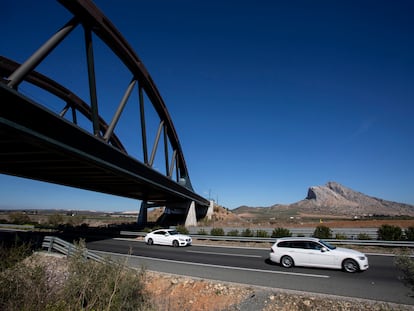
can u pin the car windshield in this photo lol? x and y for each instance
(173, 232)
(327, 244)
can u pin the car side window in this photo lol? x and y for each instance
(299, 244)
(284, 244)
(293, 244)
(313, 245)
(160, 232)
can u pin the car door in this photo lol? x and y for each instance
(299, 253)
(319, 255)
(160, 237)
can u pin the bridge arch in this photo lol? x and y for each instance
(114, 164)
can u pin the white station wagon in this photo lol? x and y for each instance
(313, 252)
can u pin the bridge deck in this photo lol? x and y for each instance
(62, 153)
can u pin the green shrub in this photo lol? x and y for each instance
(102, 286)
(390, 233)
(182, 229)
(87, 285)
(363, 236)
(23, 287)
(340, 236)
(76, 220)
(10, 256)
(247, 233)
(55, 220)
(405, 264)
(19, 218)
(217, 231)
(261, 234)
(202, 232)
(281, 233)
(409, 233)
(234, 232)
(322, 232)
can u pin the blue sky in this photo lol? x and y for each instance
(268, 97)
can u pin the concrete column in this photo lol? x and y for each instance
(143, 214)
(191, 219)
(210, 210)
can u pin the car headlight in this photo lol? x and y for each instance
(181, 239)
(361, 257)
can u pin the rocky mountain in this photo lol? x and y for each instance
(336, 199)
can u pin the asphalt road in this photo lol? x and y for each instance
(251, 266)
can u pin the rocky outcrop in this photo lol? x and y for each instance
(334, 198)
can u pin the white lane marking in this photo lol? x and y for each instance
(225, 254)
(222, 267)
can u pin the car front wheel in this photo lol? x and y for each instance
(150, 242)
(175, 243)
(350, 265)
(286, 262)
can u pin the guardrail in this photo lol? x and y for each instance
(408, 244)
(14, 227)
(66, 248)
(345, 233)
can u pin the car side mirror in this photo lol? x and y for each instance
(324, 249)
(166, 234)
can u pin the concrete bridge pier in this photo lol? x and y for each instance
(210, 210)
(142, 219)
(184, 213)
(143, 214)
(191, 218)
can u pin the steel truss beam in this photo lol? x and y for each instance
(23, 120)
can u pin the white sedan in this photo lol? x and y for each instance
(167, 237)
(313, 252)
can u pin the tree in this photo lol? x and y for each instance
(55, 219)
(409, 233)
(247, 233)
(390, 233)
(281, 232)
(234, 232)
(261, 233)
(322, 232)
(217, 231)
(19, 218)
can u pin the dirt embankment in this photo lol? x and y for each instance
(181, 293)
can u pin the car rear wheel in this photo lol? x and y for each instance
(287, 262)
(175, 243)
(150, 241)
(350, 265)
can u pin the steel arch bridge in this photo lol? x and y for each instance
(40, 144)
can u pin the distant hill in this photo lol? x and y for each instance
(332, 199)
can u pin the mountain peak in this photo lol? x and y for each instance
(336, 198)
